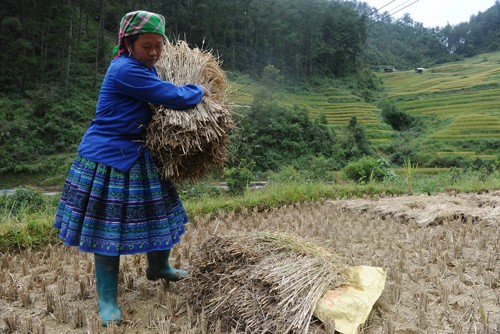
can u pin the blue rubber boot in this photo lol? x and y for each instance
(158, 267)
(106, 273)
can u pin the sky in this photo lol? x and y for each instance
(432, 13)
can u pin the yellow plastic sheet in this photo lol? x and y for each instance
(350, 305)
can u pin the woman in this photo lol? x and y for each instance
(113, 201)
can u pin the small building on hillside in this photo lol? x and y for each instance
(389, 69)
(419, 70)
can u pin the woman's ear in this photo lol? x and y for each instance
(128, 46)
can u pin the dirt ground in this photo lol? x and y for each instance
(441, 253)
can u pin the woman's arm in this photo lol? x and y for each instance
(139, 82)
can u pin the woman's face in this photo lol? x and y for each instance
(147, 49)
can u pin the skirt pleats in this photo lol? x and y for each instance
(109, 212)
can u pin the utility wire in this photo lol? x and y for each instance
(343, 39)
(414, 2)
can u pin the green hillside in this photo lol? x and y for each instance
(459, 103)
(336, 103)
(462, 99)
(339, 105)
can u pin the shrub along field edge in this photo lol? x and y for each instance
(26, 217)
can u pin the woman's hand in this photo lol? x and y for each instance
(206, 92)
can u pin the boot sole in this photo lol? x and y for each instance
(155, 277)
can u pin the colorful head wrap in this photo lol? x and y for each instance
(138, 22)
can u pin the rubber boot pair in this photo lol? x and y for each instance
(106, 272)
(158, 267)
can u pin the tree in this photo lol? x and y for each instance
(68, 65)
(272, 81)
(354, 143)
(396, 118)
(98, 40)
(276, 136)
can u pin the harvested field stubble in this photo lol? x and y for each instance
(442, 277)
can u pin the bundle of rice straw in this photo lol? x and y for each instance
(188, 143)
(262, 282)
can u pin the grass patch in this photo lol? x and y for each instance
(422, 171)
(280, 194)
(22, 225)
(29, 231)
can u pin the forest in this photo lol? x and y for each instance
(55, 54)
(46, 41)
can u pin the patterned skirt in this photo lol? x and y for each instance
(106, 211)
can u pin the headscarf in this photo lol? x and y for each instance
(138, 22)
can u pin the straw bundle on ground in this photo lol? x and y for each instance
(188, 143)
(418, 208)
(263, 282)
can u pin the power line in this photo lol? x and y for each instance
(393, 13)
(365, 17)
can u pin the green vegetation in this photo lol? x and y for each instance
(393, 43)
(396, 118)
(316, 121)
(457, 102)
(26, 217)
(274, 136)
(238, 178)
(337, 102)
(441, 118)
(32, 131)
(315, 61)
(367, 170)
(70, 42)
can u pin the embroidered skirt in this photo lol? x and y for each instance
(106, 211)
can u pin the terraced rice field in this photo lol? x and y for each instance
(470, 126)
(463, 96)
(338, 106)
(242, 94)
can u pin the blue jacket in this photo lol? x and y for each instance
(116, 134)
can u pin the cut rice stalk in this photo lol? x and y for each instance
(263, 282)
(186, 144)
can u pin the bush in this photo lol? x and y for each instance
(23, 200)
(310, 170)
(367, 169)
(286, 174)
(238, 179)
(276, 136)
(396, 118)
(354, 142)
(29, 198)
(199, 190)
(318, 168)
